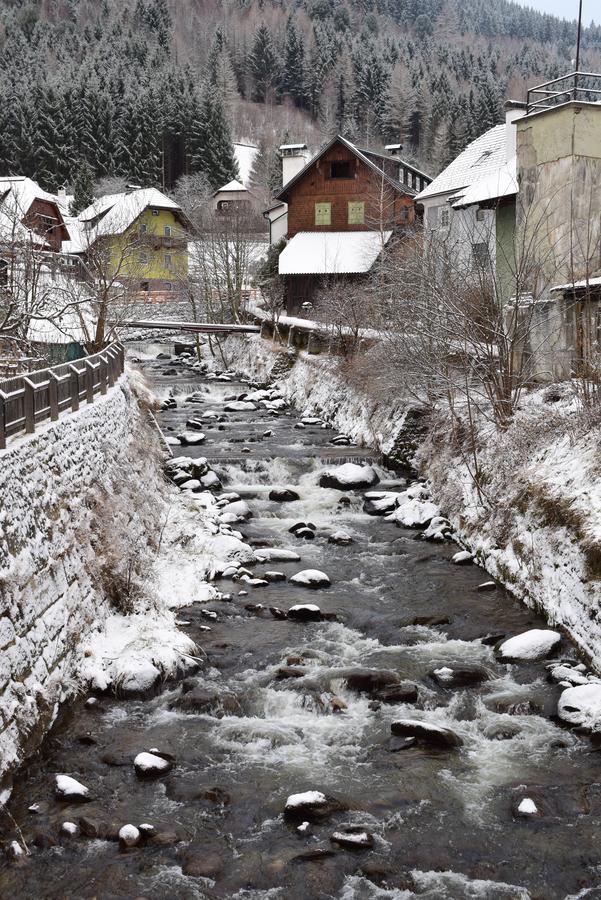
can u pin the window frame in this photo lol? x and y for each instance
(347, 164)
(355, 203)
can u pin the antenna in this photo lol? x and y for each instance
(578, 50)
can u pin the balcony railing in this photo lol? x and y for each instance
(584, 87)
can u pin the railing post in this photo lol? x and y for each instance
(89, 382)
(2, 422)
(103, 373)
(29, 405)
(111, 366)
(53, 396)
(74, 385)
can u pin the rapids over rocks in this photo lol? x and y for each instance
(326, 756)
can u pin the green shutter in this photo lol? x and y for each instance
(356, 212)
(323, 213)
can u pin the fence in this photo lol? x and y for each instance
(37, 396)
(582, 86)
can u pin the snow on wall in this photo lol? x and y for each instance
(48, 598)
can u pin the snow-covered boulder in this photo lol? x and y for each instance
(377, 503)
(239, 406)
(67, 788)
(129, 836)
(526, 808)
(462, 558)
(305, 612)
(276, 554)
(311, 578)
(348, 477)
(310, 806)
(283, 495)
(353, 838)
(239, 509)
(531, 645)
(149, 765)
(426, 732)
(191, 437)
(340, 537)
(581, 705)
(439, 529)
(138, 678)
(412, 513)
(210, 481)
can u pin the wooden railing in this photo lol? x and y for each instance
(29, 399)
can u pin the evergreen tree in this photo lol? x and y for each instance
(263, 65)
(212, 150)
(83, 188)
(293, 75)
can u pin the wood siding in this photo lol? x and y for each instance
(382, 202)
(38, 219)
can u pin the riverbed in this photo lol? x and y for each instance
(441, 822)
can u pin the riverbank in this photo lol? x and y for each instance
(535, 523)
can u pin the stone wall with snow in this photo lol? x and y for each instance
(50, 592)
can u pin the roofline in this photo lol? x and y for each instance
(358, 153)
(397, 159)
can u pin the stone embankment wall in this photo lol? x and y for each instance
(50, 591)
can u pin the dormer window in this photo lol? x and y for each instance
(341, 168)
(155, 212)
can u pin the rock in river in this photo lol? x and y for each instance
(149, 765)
(129, 836)
(353, 838)
(306, 612)
(581, 705)
(460, 676)
(311, 806)
(426, 732)
(349, 477)
(286, 495)
(68, 788)
(531, 645)
(311, 578)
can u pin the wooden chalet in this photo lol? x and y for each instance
(24, 203)
(343, 207)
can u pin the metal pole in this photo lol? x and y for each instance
(578, 50)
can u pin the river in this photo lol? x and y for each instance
(441, 822)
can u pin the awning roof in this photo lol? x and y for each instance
(332, 253)
(586, 283)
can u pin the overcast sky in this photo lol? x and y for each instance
(567, 9)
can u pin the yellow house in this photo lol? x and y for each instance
(139, 237)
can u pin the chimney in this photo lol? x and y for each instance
(393, 149)
(62, 196)
(294, 158)
(514, 110)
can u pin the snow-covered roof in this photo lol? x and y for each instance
(579, 285)
(483, 157)
(331, 253)
(22, 193)
(231, 186)
(501, 183)
(293, 146)
(119, 211)
(245, 156)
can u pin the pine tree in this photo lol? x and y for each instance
(83, 188)
(293, 74)
(212, 150)
(263, 65)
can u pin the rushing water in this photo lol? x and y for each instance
(441, 820)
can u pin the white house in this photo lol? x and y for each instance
(471, 204)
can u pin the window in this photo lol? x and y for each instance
(143, 228)
(480, 255)
(144, 286)
(223, 205)
(323, 213)
(155, 212)
(168, 286)
(480, 215)
(3, 272)
(445, 217)
(167, 260)
(403, 214)
(167, 230)
(356, 212)
(341, 168)
(143, 258)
